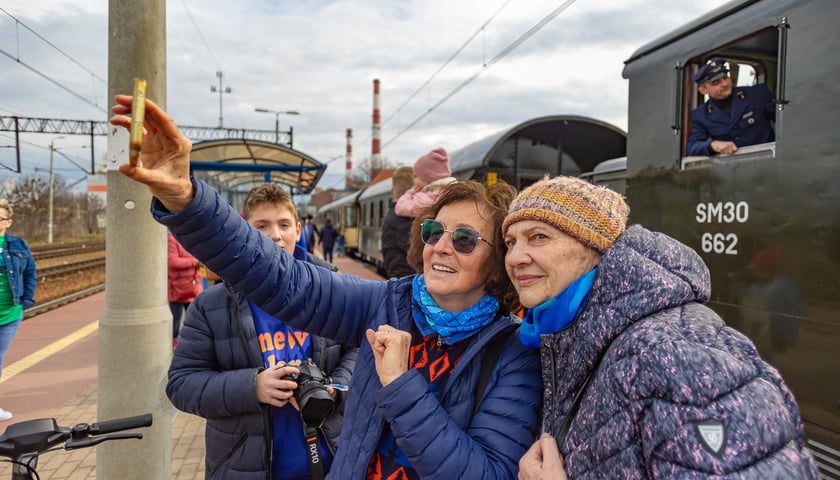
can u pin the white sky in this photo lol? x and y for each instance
(320, 57)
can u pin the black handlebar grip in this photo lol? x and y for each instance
(120, 424)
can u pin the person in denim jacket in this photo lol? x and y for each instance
(17, 284)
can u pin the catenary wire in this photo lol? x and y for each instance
(502, 53)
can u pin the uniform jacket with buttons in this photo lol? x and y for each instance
(752, 112)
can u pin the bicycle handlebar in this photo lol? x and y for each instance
(32, 437)
(120, 424)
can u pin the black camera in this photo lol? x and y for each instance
(316, 404)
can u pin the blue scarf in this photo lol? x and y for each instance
(450, 326)
(557, 312)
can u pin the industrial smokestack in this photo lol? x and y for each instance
(375, 156)
(349, 156)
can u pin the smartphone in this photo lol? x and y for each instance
(138, 111)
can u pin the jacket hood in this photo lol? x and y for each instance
(643, 273)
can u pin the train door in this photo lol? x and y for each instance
(350, 227)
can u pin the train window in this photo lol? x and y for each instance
(381, 212)
(753, 63)
(350, 218)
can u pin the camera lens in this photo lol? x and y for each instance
(316, 404)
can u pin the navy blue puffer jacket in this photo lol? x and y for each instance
(442, 438)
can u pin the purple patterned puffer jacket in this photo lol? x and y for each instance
(678, 394)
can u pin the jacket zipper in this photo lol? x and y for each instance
(553, 387)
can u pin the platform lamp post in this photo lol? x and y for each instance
(277, 114)
(50, 214)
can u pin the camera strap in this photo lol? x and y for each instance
(316, 465)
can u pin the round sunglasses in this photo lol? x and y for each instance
(464, 239)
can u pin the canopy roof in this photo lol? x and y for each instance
(550, 145)
(240, 163)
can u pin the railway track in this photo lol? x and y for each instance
(70, 268)
(42, 252)
(66, 273)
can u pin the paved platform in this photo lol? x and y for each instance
(187, 429)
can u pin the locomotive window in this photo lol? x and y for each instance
(751, 60)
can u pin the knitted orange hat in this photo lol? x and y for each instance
(593, 215)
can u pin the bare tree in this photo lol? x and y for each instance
(29, 198)
(74, 214)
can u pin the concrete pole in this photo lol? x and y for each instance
(135, 331)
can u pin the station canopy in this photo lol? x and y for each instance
(236, 164)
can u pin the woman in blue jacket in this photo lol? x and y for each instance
(17, 284)
(414, 409)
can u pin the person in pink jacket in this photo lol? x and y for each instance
(183, 281)
(431, 174)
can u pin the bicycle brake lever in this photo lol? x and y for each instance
(74, 443)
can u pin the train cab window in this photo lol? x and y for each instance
(732, 116)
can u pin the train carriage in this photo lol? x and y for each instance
(343, 212)
(374, 203)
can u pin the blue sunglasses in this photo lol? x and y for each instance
(464, 239)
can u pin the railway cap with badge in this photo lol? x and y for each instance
(711, 71)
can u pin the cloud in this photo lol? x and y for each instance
(320, 57)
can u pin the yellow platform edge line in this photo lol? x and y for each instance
(51, 349)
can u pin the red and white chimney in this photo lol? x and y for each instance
(375, 155)
(349, 157)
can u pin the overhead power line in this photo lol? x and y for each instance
(54, 46)
(485, 65)
(448, 60)
(504, 52)
(46, 77)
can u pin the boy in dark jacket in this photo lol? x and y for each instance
(233, 362)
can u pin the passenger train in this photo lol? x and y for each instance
(766, 219)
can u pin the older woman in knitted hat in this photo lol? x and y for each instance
(641, 379)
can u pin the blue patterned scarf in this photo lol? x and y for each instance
(450, 326)
(557, 312)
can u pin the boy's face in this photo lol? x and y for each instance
(277, 223)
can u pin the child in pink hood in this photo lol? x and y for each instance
(431, 174)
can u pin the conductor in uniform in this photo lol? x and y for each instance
(731, 117)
